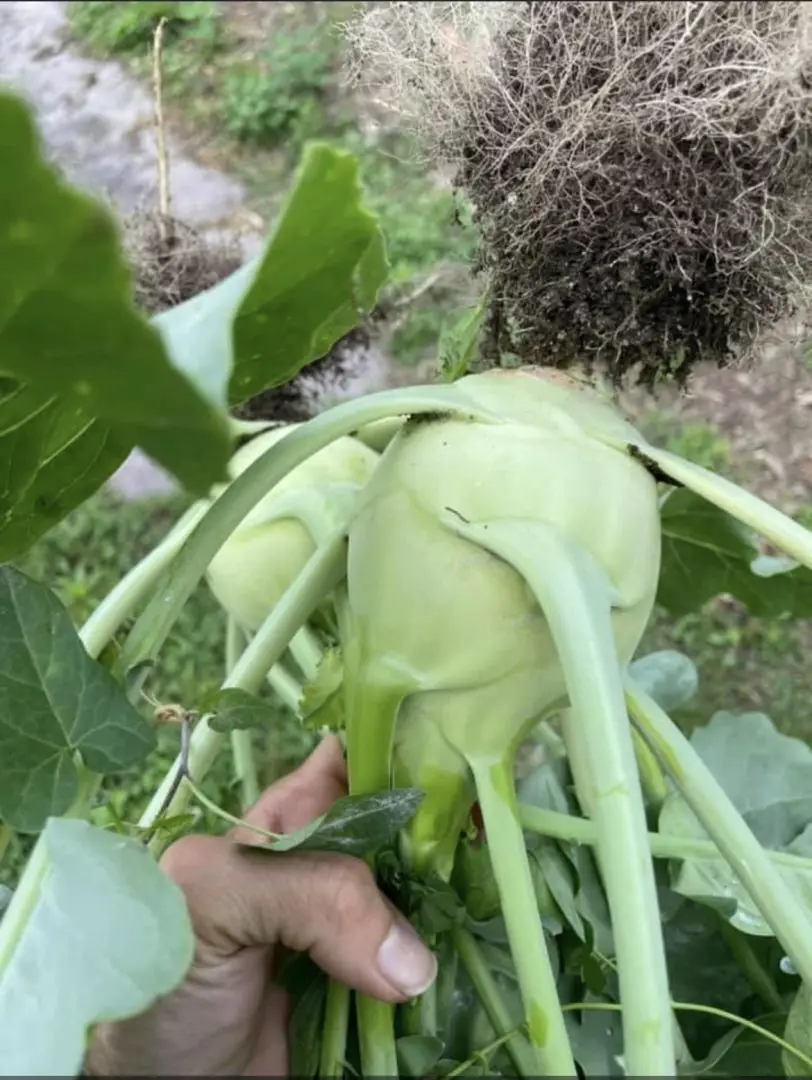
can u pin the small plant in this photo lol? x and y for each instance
(115, 27)
(281, 91)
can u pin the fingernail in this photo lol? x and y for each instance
(405, 962)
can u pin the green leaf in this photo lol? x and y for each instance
(237, 710)
(54, 700)
(322, 701)
(354, 825)
(319, 273)
(458, 342)
(474, 881)
(597, 1041)
(768, 777)
(798, 1033)
(417, 1054)
(669, 677)
(70, 331)
(108, 934)
(307, 985)
(706, 552)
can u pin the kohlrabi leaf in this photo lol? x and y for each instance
(354, 825)
(70, 331)
(597, 1041)
(706, 552)
(107, 935)
(237, 710)
(52, 462)
(798, 1033)
(54, 700)
(322, 702)
(457, 344)
(546, 788)
(701, 969)
(418, 1054)
(768, 776)
(669, 677)
(319, 273)
(743, 1052)
(306, 983)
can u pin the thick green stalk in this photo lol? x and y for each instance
(576, 830)
(306, 651)
(334, 1032)
(750, 965)
(286, 688)
(574, 595)
(517, 896)
(776, 899)
(520, 1050)
(322, 572)
(371, 714)
(771, 523)
(132, 589)
(244, 492)
(242, 742)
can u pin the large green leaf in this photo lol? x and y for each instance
(70, 333)
(54, 701)
(108, 934)
(768, 776)
(52, 457)
(320, 271)
(706, 552)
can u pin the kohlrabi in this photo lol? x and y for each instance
(495, 572)
(273, 542)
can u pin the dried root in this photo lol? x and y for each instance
(640, 169)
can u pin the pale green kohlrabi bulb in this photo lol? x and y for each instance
(447, 637)
(273, 542)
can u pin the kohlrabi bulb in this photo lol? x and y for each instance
(271, 545)
(443, 631)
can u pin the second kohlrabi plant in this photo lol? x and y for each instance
(456, 577)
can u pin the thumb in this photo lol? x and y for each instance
(326, 905)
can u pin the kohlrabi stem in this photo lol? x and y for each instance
(776, 899)
(521, 1052)
(306, 651)
(652, 780)
(747, 508)
(334, 1032)
(242, 742)
(133, 588)
(245, 491)
(574, 595)
(750, 965)
(323, 570)
(286, 688)
(371, 709)
(576, 830)
(537, 982)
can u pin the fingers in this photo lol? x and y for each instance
(326, 905)
(299, 797)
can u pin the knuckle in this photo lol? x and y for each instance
(352, 889)
(186, 861)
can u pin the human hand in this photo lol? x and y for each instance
(228, 1017)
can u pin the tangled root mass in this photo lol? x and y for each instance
(640, 170)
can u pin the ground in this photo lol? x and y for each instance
(239, 109)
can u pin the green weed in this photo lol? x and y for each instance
(115, 28)
(279, 93)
